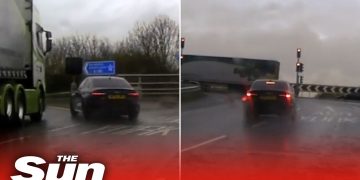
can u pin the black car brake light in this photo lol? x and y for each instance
(247, 96)
(250, 94)
(134, 94)
(286, 95)
(96, 93)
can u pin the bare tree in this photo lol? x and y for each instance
(158, 39)
(148, 48)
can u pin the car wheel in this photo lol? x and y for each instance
(289, 115)
(250, 118)
(133, 116)
(293, 115)
(74, 112)
(134, 113)
(86, 112)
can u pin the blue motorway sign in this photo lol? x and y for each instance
(100, 67)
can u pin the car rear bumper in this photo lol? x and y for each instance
(108, 107)
(269, 108)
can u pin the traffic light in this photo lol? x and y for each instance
(301, 79)
(182, 43)
(298, 51)
(299, 67)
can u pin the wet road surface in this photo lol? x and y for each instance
(130, 150)
(323, 143)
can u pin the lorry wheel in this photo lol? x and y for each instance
(20, 108)
(36, 117)
(8, 107)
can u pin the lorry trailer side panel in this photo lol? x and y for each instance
(15, 35)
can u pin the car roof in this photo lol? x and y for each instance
(278, 85)
(104, 77)
(269, 80)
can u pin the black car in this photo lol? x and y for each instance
(274, 97)
(105, 94)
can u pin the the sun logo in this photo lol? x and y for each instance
(72, 170)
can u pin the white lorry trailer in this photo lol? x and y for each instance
(23, 47)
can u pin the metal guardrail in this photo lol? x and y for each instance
(326, 88)
(190, 87)
(147, 84)
(154, 84)
(314, 88)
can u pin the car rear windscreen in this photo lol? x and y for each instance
(111, 83)
(270, 86)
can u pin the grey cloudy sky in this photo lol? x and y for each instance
(106, 18)
(328, 31)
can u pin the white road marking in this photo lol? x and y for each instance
(95, 130)
(133, 130)
(59, 108)
(160, 130)
(313, 119)
(62, 128)
(330, 108)
(326, 119)
(339, 122)
(204, 143)
(111, 130)
(172, 119)
(175, 120)
(262, 123)
(12, 140)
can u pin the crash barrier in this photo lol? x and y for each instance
(147, 84)
(217, 87)
(190, 87)
(154, 84)
(326, 88)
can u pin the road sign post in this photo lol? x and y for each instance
(106, 68)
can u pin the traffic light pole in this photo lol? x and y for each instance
(298, 70)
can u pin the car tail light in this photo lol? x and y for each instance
(134, 94)
(95, 93)
(244, 98)
(249, 94)
(286, 95)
